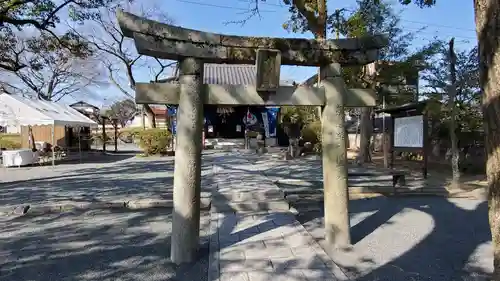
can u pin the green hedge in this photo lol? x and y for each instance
(312, 132)
(154, 141)
(129, 134)
(97, 138)
(9, 144)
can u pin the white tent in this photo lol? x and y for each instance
(20, 111)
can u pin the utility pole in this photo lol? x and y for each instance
(452, 92)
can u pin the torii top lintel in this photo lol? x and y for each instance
(166, 41)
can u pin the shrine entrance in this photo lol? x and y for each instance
(229, 122)
(193, 48)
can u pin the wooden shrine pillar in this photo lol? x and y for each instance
(336, 195)
(187, 173)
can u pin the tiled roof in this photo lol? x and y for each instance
(232, 74)
(83, 104)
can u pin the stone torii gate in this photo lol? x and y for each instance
(192, 48)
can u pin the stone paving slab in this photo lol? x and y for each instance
(266, 247)
(265, 243)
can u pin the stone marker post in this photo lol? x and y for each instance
(187, 173)
(336, 196)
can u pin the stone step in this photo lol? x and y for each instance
(319, 180)
(249, 206)
(319, 197)
(313, 198)
(256, 195)
(352, 190)
(319, 183)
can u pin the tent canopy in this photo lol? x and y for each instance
(20, 111)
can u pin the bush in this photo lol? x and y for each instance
(312, 132)
(154, 141)
(97, 138)
(9, 144)
(128, 135)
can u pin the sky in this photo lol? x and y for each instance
(448, 18)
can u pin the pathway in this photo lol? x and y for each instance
(257, 238)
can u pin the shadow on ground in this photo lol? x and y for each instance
(148, 178)
(394, 238)
(426, 238)
(103, 245)
(417, 238)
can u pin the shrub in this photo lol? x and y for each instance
(154, 141)
(97, 138)
(9, 144)
(128, 135)
(312, 132)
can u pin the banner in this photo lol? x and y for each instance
(265, 120)
(172, 112)
(272, 119)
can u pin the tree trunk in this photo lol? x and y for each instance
(386, 147)
(365, 135)
(366, 124)
(455, 154)
(143, 118)
(488, 31)
(31, 138)
(151, 115)
(436, 149)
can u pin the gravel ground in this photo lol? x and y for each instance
(110, 178)
(100, 244)
(427, 238)
(95, 245)
(394, 238)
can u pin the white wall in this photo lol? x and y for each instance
(137, 122)
(13, 130)
(355, 143)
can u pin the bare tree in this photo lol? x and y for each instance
(43, 17)
(119, 55)
(53, 73)
(122, 110)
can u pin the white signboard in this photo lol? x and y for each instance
(409, 131)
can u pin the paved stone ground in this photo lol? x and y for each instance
(95, 246)
(265, 243)
(111, 178)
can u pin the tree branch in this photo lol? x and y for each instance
(113, 80)
(310, 14)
